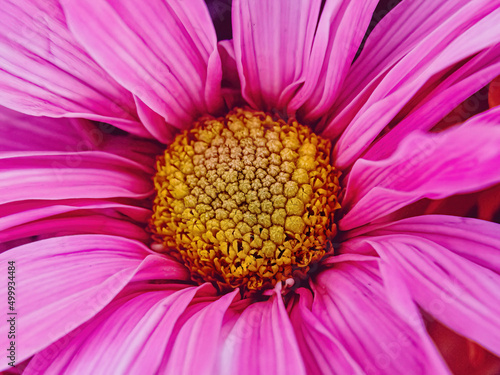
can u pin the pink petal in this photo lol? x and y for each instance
(462, 34)
(128, 337)
(271, 43)
(141, 151)
(62, 282)
(22, 132)
(351, 303)
(231, 86)
(155, 123)
(395, 36)
(338, 36)
(441, 100)
(458, 292)
(194, 347)
(19, 213)
(58, 175)
(322, 352)
(162, 269)
(435, 166)
(46, 73)
(261, 341)
(475, 240)
(164, 53)
(77, 223)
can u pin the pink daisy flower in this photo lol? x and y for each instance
(174, 204)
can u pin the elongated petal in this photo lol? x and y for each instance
(76, 223)
(21, 132)
(62, 282)
(70, 175)
(467, 29)
(261, 341)
(231, 86)
(476, 240)
(408, 24)
(155, 123)
(458, 292)
(21, 214)
(322, 352)
(441, 100)
(45, 72)
(194, 347)
(128, 337)
(351, 303)
(337, 38)
(165, 53)
(435, 166)
(272, 40)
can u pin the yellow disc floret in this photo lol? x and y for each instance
(246, 200)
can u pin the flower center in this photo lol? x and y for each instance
(246, 200)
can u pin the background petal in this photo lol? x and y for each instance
(23, 132)
(438, 100)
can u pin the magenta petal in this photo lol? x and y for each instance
(262, 341)
(194, 346)
(18, 213)
(462, 33)
(271, 43)
(141, 151)
(23, 219)
(159, 267)
(46, 73)
(395, 36)
(62, 282)
(128, 337)
(460, 160)
(21, 132)
(351, 302)
(164, 53)
(231, 86)
(155, 123)
(458, 292)
(441, 100)
(322, 352)
(475, 240)
(71, 175)
(338, 36)
(77, 223)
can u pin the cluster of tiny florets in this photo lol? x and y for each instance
(246, 200)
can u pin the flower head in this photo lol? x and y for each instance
(274, 203)
(246, 200)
